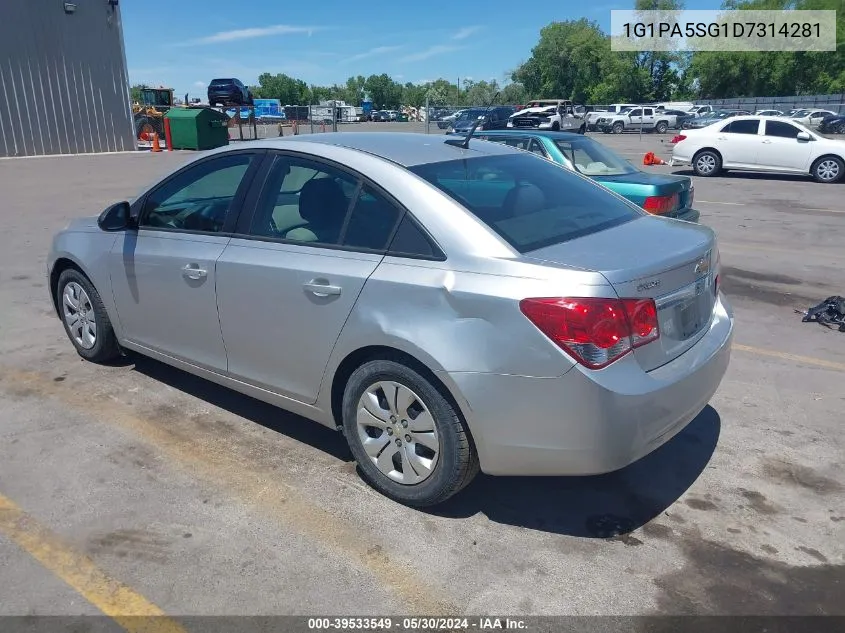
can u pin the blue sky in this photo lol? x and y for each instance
(184, 45)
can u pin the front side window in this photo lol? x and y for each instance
(742, 127)
(594, 159)
(636, 112)
(529, 202)
(198, 199)
(781, 129)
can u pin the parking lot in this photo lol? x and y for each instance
(197, 500)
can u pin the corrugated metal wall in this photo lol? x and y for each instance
(63, 79)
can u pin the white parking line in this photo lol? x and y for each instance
(733, 204)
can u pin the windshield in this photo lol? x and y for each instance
(800, 113)
(527, 200)
(594, 159)
(470, 114)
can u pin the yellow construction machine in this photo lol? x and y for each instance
(148, 112)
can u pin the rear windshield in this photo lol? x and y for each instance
(221, 82)
(592, 158)
(530, 202)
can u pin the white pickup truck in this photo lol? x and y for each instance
(639, 118)
(613, 108)
(549, 114)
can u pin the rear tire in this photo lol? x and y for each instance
(661, 127)
(84, 317)
(706, 163)
(618, 128)
(582, 129)
(556, 126)
(828, 169)
(422, 433)
(841, 129)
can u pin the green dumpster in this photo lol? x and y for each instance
(197, 128)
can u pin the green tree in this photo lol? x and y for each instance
(286, 89)
(514, 93)
(384, 92)
(566, 62)
(480, 93)
(135, 92)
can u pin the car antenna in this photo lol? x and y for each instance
(464, 142)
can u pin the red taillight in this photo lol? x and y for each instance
(677, 138)
(659, 205)
(594, 331)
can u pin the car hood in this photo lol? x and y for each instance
(83, 224)
(530, 111)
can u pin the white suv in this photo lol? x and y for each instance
(549, 114)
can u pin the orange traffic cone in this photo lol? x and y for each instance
(658, 161)
(156, 144)
(648, 159)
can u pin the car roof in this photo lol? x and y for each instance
(404, 148)
(546, 133)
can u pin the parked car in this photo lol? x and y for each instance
(757, 143)
(228, 92)
(709, 119)
(549, 114)
(834, 124)
(645, 118)
(701, 110)
(676, 118)
(811, 118)
(380, 115)
(575, 333)
(495, 118)
(659, 194)
(447, 121)
(592, 117)
(768, 113)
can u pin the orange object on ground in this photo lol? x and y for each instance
(156, 144)
(651, 159)
(168, 140)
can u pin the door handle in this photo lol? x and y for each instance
(722, 138)
(767, 142)
(193, 271)
(321, 289)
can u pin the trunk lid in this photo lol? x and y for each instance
(669, 261)
(637, 183)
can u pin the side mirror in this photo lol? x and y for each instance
(804, 136)
(115, 218)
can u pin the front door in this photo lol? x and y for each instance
(288, 280)
(163, 274)
(781, 149)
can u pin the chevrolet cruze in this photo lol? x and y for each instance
(447, 306)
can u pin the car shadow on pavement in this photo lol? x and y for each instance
(289, 424)
(749, 175)
(601, 506)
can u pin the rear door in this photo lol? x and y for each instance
(289, 278)
(781, 150)
(739, 142)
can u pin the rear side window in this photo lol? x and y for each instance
(411, 241)
(742, 127)
(528, 201)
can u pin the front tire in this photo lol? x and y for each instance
(841, 129)
(828, 169)
(556, 126)
(706, 163)
(582, 129)
(661, 127)
(618, 128)
(408, 439)
(84, 317)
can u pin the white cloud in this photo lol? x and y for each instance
(252, 33)
(431, 51)
(378, 50)
(466, 32)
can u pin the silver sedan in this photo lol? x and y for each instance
(447, 308)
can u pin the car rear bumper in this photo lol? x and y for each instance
(688, 215)
(591, 422)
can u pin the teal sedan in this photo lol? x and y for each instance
(659, 194)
